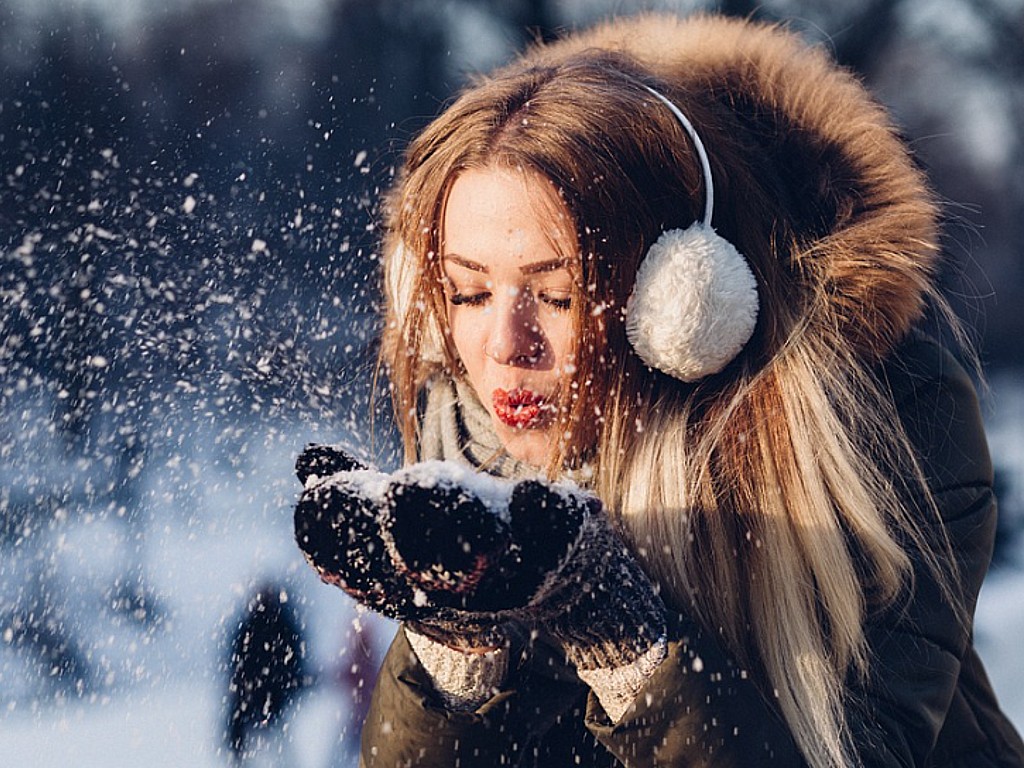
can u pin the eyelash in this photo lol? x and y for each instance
(561, 305)
(472, 300)
(477, 299)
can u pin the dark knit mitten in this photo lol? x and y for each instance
(323, 460)
(551, 560)
(338, 528)
(343, 522)
(597, 601)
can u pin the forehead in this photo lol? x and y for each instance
(512, 211)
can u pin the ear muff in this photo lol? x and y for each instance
(400, 276)
(694, 303)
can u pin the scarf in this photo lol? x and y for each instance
(455, 426)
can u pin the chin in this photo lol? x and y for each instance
(531, 446)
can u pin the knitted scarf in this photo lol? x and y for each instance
(455, 426)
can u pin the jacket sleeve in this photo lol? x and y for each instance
(697, 709)
(918, 646)
(407, 724)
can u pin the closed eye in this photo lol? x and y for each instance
(469, 299)
(557, 302)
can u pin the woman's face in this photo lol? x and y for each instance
(505, 237)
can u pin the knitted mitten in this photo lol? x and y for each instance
(337, 527)
(460, 556)
(343, 523)
(539, 553)
(318, 461)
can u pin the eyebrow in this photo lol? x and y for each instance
(534, 268)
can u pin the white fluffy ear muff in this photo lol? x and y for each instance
(694, 304)
(401, 276)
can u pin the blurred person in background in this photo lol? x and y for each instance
(267, 663)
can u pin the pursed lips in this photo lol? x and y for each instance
(519, 407)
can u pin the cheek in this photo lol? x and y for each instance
(561, 337)
(468, 338)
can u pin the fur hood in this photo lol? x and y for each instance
(866, 219)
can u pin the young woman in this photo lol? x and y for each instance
(687, 482)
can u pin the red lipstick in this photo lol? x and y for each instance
(518, 407)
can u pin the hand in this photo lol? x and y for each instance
(467, 554)
(343, 524)
(452, 542)
(338, 528)
(323, 460)
(541, 553)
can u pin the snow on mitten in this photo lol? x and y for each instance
(544, 554)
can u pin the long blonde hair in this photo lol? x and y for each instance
(765, 499)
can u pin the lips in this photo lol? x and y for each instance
(519, 407)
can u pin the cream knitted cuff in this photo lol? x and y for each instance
(464, 681)
(617, 687)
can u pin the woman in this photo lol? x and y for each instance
(687, 482)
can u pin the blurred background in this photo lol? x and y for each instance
(188, 272)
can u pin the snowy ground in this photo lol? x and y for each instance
(999, 628)
(214, 529)
(1000, 614)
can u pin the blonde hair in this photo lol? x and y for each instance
(767, 498)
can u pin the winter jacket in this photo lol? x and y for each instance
(926, 702)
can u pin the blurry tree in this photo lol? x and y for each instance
(192, 197)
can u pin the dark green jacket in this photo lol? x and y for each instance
(927, 702)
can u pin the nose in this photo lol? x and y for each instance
(515, 337)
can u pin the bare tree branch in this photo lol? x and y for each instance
(863, 42)
(1007, 31)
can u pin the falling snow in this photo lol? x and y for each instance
(185, 304)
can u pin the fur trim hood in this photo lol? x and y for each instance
(865, 218)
